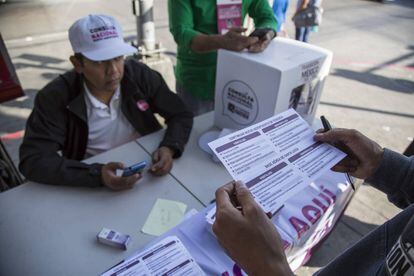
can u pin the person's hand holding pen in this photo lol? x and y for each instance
(364, 155)
(246, 232)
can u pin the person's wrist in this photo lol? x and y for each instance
(103, 176)
(171, 151)
(219, 41)
(376, 160)
(275, 265)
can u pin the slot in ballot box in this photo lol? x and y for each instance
(251, 87)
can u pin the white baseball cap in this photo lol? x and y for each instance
(98, 37)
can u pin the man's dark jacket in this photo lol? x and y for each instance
(57, 129)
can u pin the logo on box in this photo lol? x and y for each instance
(240, 102)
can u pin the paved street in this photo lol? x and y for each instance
(371, 86)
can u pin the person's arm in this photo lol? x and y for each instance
(45, 137)
(233, 40)
(247, 234)
(181, 22)
(386, 170)
(303, 5)
(178, 118)
(263, 17)
(182, 28)
(395, 177)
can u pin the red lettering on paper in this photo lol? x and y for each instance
(329, 193)
(322, 232)
(300, 226)
(327, 199)
(320, 204)
(311, 213)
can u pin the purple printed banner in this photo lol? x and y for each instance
(304, 152)
(172, 271)
(237, 142)
(126, 268)
(265, 175)
(280, 123)
(158, 249)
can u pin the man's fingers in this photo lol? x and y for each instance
(162, 161)
(156, 156)
(259, 46)
(237, 29)
(344, 169)
(243, 195)
(130, 180)
(330, 136)
(251, 40)
(115, 166)
(121, 183)
(336, 135)
(223, 196)
(159, 163)
(349, 162)
(156, 160)
(268, 37)
(163, 169)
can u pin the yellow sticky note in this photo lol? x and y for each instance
(164, 215)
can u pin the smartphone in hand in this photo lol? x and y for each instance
(137, 168)
(260, 33)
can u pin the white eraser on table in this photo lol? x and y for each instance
(113, 238)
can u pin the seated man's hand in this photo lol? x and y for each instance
(247, 234)
(234, 40)
(261, 45)
(114, 182)
(162, 160)
(364, 155)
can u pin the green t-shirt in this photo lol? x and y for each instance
(196, 73)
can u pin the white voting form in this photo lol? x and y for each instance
(167, 257)
(276, 158)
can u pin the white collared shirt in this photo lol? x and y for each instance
(108, 127)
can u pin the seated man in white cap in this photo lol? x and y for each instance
(104, 102)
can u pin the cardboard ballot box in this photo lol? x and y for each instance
(251, 87)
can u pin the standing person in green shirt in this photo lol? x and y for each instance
(193, 23)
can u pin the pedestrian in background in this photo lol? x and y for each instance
(302, 32)
(279, 10)
(308, 7)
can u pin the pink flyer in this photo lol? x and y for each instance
(229, 15)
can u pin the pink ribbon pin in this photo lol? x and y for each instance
(142, 105)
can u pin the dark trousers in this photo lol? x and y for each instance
(302, 34)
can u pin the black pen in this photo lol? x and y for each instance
(327, 126)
